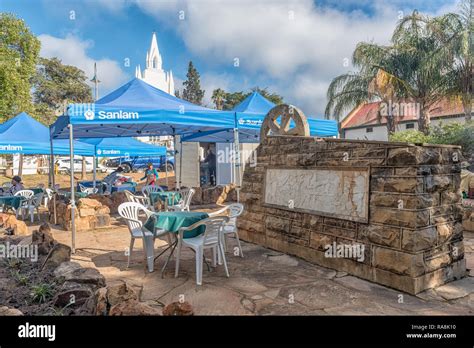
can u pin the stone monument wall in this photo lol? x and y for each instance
(399, 204)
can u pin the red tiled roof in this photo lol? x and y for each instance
(366, 114)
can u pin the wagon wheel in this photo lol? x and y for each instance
(278, 122)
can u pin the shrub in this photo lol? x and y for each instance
(410, 136)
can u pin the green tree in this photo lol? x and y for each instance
(56, 85)
(424, 73)
(19, 50)
(218, 96)
(192, 91)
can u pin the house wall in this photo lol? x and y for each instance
(380, 132)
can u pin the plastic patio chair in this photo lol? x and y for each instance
(146, 190)
(32, 204)
(210, 239)
(185, 202)
(48, 195)
(233, 211)
(130, 211)
(88, 190)
(26, 194)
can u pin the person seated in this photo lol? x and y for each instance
(17, 185)
(151, 175)
(110, 179)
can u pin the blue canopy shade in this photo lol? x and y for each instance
(249, 115)
(111, 147)
(23, 134)
(139, 109)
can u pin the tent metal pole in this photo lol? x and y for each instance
(166, 167)
(52, 183)
(180, 161)
(237, 161)
(73, 202)
(94, 171)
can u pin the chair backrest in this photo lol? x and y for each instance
(146, 190)
(37, 199)
(90, 190)
(49, 192)
(7, 185)
(130, 211)
(235, 210)
(213, 232)
(25, 193)
(186, 196)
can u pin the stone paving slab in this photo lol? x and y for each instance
(264, 282)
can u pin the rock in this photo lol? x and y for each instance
(85, 203)
(178, 309)
(398, 262)
(44, 239)
(73, 294)
(132, 307)
(65, 269)
(86, 276)
(83, 212)
(59, 253)
(7, 311)
(101, 301)
(9, 221)
(120, 293)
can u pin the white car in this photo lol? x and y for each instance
(64, 165)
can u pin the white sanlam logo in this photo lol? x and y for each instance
(89, 115)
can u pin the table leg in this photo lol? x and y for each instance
(169, 257)
(149, 252)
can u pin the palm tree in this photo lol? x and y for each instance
(218, 96)
(422, 70)
(369, 84)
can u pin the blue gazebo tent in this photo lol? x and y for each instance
(23, 134)
(117, 147)
(139, 109)
(249, 115)
(133, 110)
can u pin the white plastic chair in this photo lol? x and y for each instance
(130, 211)
(137, 199)
(26, 194)
(233, 211)
(185, 201)
(6, 185)
(48, 195)
(32, 204)
(146, 190)
(210, 239)
(88, 190)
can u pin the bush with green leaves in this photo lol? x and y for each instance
(410, 136)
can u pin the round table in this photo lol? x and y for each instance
(11, 201)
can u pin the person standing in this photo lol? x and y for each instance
(151, 175)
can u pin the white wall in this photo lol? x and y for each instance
(380, 132)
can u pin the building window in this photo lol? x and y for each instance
(410, 126)
(369, 130)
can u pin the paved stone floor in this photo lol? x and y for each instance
(264, 282)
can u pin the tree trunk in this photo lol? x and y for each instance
(20, 165)
(423, 120)
(83, 176)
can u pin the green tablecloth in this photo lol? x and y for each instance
(36, 190)
(173, 221)
(77, 195)
(172, 197)
(10, 201)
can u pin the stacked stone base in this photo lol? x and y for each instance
(214, 195)
(89, 214)
(413, 237)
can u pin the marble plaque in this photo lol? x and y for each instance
(335, 192)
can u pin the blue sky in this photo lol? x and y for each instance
(292, 47)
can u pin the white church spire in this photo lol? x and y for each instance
(153, 73)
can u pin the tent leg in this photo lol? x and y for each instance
(180, 162)
(52, 179)
(166, 167)
(94, 171)
(73, 202)
(237, 163)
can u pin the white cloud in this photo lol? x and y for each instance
(296, 45)
(73, 51)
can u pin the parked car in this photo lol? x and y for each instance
(139, 163)
(64, 165)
